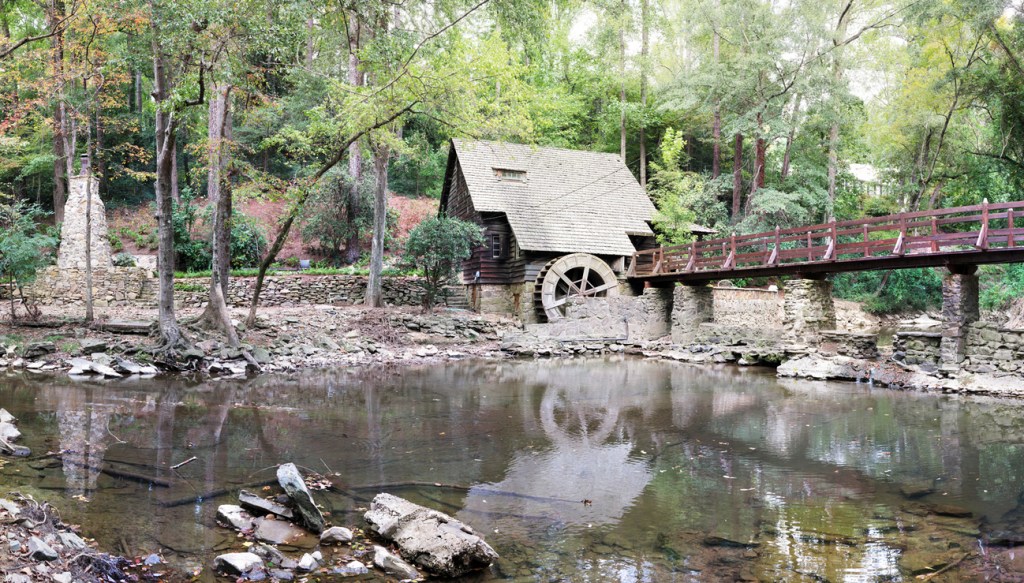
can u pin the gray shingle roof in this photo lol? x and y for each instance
(571, 201)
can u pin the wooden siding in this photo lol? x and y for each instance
(505, 270)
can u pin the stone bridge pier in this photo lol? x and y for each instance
(959, 311)
(807, 309)
(692, 305)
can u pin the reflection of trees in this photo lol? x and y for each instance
(83, 438)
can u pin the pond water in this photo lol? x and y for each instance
(688, 473)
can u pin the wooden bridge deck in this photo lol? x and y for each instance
(970, 235)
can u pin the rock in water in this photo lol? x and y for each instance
(291, 480)
(393, 565)
(431, 539)
(238, 563)
(336, 534)
(235, 517)
(254, 503)
(6, 417)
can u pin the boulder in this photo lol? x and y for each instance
(6, 417)
(307, 563)
(433, 540)
(40, 551)
(238, 563)
(393, 565)
(254, 503)
(71, 540)
(8, 431)
(91, 345)
(350, 569)
(336, 534)
(309, 515)
(37, 349)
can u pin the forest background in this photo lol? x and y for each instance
(741, 115)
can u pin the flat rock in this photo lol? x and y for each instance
(6, 417)
(64, 577)
(238, 563)
(254, 503)
(17, 578)
(71, 540)
(9, 507)
(37, 349)
(393, 565)
(917, 490)
(433, 540)
(281, 574)
(336, 534)
(291, 480)
(278, 532)
(40, 551)
(91, 345)
(235, 517)
(951, 510)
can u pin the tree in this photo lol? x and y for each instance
(437, 246)
(22, 248)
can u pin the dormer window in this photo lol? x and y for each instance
(510, 175)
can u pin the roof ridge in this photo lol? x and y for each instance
(467, 141)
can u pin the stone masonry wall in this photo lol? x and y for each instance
(737, 306)
(622, 317)
(808, 309)
(300, 290)
(917, 348)
(990, 348)
(116, 286)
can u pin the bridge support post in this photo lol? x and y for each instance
(692, 305)
(959, 310)
(807, 309)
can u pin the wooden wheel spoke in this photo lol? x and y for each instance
(596, 290)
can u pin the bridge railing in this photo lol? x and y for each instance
(978, 227)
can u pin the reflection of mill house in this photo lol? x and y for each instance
(557, 224)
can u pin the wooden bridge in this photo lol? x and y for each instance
(957, 238)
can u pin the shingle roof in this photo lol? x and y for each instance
(571, 201)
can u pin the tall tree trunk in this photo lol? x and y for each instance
(716, 122)
(55, 13)
(138, 90)
(760, 149)
(838, 39)
(98, 164)
(175, 192)
(355, 154)
(737, 177)
(622, 87)
(644, 54)
(171, 337)
(374, 286)
(216, 314)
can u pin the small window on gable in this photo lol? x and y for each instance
(496, 247)
(510, 175)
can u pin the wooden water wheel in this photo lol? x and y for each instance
(579, 275)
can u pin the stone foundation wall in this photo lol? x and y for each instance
(917, 348)
(117, 286)
(726, 335)
(300, 290)
(990, 348)
(808, 309)
(515, 300)
(737, 306)
(644, 317)
(850, 344)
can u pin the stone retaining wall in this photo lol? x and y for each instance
(644, 317)
(300, 290)
(991, 348)
(850, 344)
(917, 348)
(117, 286)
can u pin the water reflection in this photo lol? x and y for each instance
(687, 473)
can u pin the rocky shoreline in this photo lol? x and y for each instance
(289, 339)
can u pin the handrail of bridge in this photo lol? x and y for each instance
(979, 227)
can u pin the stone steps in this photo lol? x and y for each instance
(454, 296)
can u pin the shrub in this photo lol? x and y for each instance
(24, 248)
(436, 246)
(124, 260)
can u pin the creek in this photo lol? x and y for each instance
(616, 469)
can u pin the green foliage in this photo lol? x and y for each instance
(1001, 285)
(682, 198)
(437, 246)
(194, 251)
(891, 292)
(124, 260)
(24, 247)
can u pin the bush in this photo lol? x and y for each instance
(1001, 285)
(24, 247)
(124, 260)
(437, 245)
(891, 292)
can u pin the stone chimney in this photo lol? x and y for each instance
(71, 254)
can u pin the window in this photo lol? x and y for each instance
(496, 248)
(510, 175)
